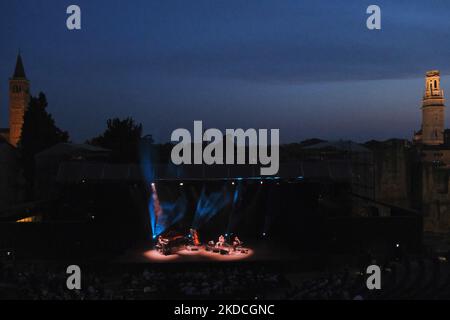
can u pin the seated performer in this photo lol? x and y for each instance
(221, 241)
(161, 245)
(236, 243)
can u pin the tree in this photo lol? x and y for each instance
(122, 138)
(39, 132)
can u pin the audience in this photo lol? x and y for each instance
(39, 282)
(410, 278)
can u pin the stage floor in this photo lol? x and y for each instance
(262, 252)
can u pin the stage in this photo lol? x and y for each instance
(260, 252)
(201, 254)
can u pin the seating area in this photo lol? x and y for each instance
(38, 282)
(413, 277)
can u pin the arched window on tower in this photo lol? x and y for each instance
(435, 84)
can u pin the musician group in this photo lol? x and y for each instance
(166, 245)
(234, 245)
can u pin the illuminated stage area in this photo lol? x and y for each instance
(201, 255)
(258, 252)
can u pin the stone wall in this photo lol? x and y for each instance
(392, 177)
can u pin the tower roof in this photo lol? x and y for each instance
(433, 73)
(19, 71)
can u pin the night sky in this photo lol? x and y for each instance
(309, 68)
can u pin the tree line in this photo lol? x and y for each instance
(40, 132)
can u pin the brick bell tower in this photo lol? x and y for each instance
(19, 97)
(433, 110)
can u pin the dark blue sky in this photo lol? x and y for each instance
(310, 68)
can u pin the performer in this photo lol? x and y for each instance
(194, 237)
(236, 243)
(161, 245)
(221, 241)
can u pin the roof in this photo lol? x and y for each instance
(68, 149)
(432, 73)
(342, 145)
(19, 71)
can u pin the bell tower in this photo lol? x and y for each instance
(433, 110)
(19, 97)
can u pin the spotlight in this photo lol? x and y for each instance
(153, 184)
(232, 183)
(8, 253)
(181, 184)
(262, 182)
(264, 234)
(93, 217)
(397, 245)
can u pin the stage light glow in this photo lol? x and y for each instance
(234, 256)
(209, 205)
(186, 255)
(146, 160)
(181, 184)
(165, 214)
(147, 170)
(155, 256)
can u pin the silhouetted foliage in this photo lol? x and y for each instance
(39, 132)
(122, 138)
